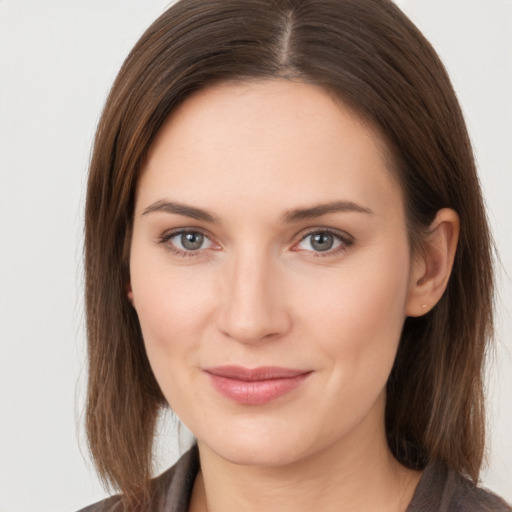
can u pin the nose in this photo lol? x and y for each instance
(254, 304)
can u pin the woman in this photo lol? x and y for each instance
(286, 244)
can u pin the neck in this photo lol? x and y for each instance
(355, 474)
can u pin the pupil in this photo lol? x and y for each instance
(192, 241)
(322, 241)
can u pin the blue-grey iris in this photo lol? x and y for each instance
(192, 241)
(322, 241)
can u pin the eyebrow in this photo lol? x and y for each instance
(323, 209)
(289, 217)
(181, 209)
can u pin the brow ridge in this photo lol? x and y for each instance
(290, 216)
(312, 212)
(181, 209)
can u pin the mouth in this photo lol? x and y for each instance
(255, 386)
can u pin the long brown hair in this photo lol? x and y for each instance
(370, 56)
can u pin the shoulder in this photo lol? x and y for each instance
(469, 497)
(443, 490)
(170, 491)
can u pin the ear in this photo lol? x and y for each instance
(432, 266)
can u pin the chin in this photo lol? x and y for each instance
(258, 454)
(263, 445)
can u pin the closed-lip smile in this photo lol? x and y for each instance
(255, 386)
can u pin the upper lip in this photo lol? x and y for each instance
(254, 374)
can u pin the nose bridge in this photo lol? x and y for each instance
(254, 306)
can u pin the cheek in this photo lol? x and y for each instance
(360, 310)
(171, 304)
(174, 308)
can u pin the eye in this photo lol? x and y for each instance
(187, 241)
(323, 241)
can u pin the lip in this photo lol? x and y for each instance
(256, 386)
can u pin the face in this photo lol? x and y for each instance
(270, 270)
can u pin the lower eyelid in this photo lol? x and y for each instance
(332, 252)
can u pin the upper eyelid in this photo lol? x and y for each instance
(304, 232)
(170, 233)
(332, 231)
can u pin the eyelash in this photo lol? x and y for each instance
(345, 242)
(166, 237)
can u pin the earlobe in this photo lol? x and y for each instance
(129, 293)
(432, 265)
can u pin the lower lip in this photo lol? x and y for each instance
(256, 392)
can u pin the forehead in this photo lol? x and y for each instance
(277, 139)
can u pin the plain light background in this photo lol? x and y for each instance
(58, 59)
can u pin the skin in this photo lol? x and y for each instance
(257, 292)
